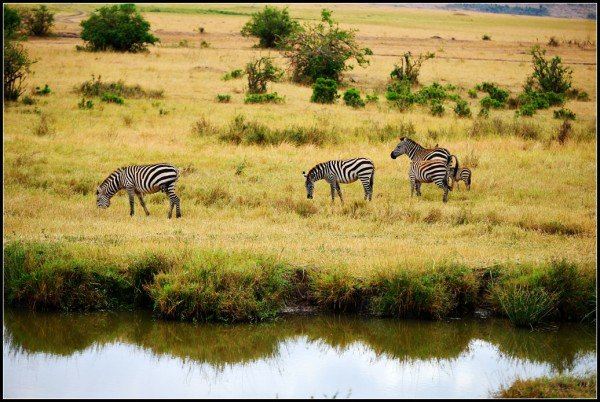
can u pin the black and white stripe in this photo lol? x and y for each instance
(416, 152)
(139, 180)
(463, 174)
(342, 171)
(435, 171)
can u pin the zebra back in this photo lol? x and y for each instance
(342, 170)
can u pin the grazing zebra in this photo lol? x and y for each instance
(417, 153)
(463, 174)
(435, 171)
(342, 171)
(139, 180)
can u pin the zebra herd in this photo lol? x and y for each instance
(432, 165)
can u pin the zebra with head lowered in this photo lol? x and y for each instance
(435, 171)
(342, 171)
(139, 180)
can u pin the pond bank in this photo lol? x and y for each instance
(213, 285)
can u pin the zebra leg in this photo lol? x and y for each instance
(174, 201)
(445, 199)
(143, 203)
(412, 188)
(339, 191)
(418, 188)
(131, 193)
(332, 192)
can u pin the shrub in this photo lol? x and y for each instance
(496, 93)
(12, 22)
(233, 74)
(400, 94)
(462, 108)
(578, 94)
(263, 98)
(564, 113)
(204, 44)
(488, 102)
(42, 91)
(97, 87)
(371, 98)
(548, 75)
(564, 132)
(553, 42)
(223, 98)
(28, 100)
(352, 98)
(484, 113)
(409, 68)
(436, 108)
(39, 21)
(472, 93)
(85, 104)
(118, 27)
(272, 26)
(324, 91)
(323, 50)
(16, 69)
(486, 37)
(525, 307)
(112, 98)
(260, 72)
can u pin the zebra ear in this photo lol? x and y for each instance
(304, 173)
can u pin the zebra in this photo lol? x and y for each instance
(139, 180)
(463, 174)
(417, 153)
(435, 171)
(342, 171)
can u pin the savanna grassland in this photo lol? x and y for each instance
(532, 202)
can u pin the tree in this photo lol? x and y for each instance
(12, 22)
(323, 50)
(118, 27)
(260, 72)
(271, 25)
(548, 75)
(16, 69)
(39, 21)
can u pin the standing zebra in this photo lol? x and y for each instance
(435, 171)
(463, 174)
(417, 153)
(342, 171)
(139, 180)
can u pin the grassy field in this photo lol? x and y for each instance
(557, 387)
(532, 200)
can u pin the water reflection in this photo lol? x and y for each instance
(296, 356)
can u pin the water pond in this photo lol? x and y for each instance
(133, 355)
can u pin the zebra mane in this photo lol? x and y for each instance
(314, 169)
(119, 170)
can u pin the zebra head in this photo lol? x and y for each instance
(310, 186)
(401, 148)
(102, 199)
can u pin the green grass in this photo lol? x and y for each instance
(563, 386)
(215, 285)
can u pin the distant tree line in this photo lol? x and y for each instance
(541, 10)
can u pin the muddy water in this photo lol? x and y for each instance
(132, 355)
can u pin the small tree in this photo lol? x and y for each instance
(324, 91)
(16, 69)
(119, 27)
(38, 21)
(272, 26)
(548, 75)
(323, 51)
(260, 72)
(409, 68)
(12, 22)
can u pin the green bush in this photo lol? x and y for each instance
(399, 93)
(96, 87)
(436, 108)
(112, 98)
(578, 94)
(352, 98)
(118, 27)
(473, 93)
(223, 98)
(409, 67)
(323, 50)
(565, 114)
(484, 113)
(527, 109)
(548, 75)
(263, 98)
(272, 26)
(462, 108)
(260, 72)
(12, 22)
(28, 100)
(233, 74)
(372, 98)
(488, 102)
(324, 91)
(39, 21)
(16, 69)
(525, 307)
(85, 104)
(42, 91)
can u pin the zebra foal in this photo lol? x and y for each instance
(139, 180)
(341, 171)
(463, 174)
(435, 171)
